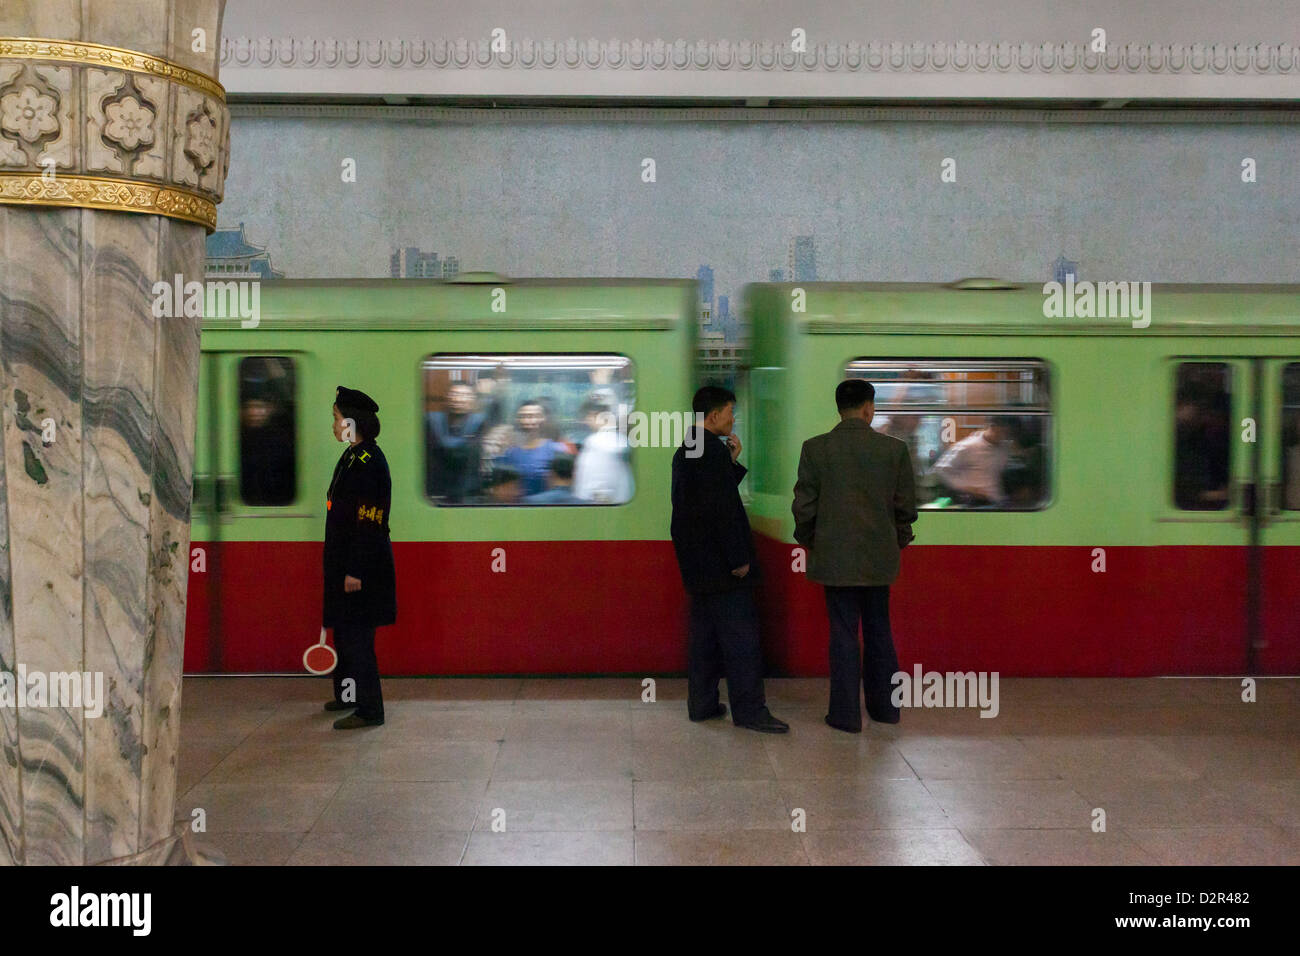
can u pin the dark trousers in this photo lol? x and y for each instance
(725, 642)
(356, 650)
(874, 666)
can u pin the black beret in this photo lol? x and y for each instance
(351, 398)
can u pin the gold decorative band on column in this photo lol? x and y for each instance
(114, 195)
(95, 54)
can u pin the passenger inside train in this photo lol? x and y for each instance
(564, 446)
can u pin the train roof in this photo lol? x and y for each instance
(466, 304)
(1002, 307)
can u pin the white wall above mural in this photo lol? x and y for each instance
(1101, 49)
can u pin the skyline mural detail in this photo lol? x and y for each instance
(733, 203)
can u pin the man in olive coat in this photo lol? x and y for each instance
(360, 583)
(854, 505)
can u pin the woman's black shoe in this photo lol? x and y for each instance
(353, 722)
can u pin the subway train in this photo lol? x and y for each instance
(1142, 518)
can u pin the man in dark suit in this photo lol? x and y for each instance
(715, 553)
(854, 505)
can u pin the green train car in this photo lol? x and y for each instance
(529, 515)
(1097, 498)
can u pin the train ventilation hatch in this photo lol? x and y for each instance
(480, 278)
(983, 284)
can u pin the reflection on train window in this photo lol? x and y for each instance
(978, 431)
(1202, 441)
(1291, 437)
(528, 429)
(267, 463)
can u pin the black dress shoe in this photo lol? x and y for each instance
(339, 705)
(765, 723)
(355, 721)
(720, 712)
(891, 719)
(844, 727)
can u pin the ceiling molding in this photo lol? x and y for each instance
(463, 66)
(615, 114)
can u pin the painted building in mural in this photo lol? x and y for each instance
(409, 262)
(231, 256)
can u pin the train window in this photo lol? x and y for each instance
(1291, 437)
(1202, 439)
(267, 450)
(528, 429)
(978, 430)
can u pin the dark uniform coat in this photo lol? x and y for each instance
(356, 540)
(854, 505)
(710, 530)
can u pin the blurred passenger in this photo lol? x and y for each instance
(504, 486)
(496, 441)
(1200, 449)
(559, 481)
(1291, 462)
(603, 473)
(550, 428)
(452, 439)
(588, 419)
(854, 505)
(490, 393)
(715, 554)
(1025, 478)
(266, 448)
(532, 452)
(360, 584)
(972, 468)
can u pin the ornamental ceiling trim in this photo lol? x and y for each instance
(955, 57)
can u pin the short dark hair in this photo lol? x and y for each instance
(562, 466)
(367, 423)
(710, 398)
(854, 393)
(594, 405)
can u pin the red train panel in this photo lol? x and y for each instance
(617, 607)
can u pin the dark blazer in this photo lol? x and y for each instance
(453, 455)
(710, 530)
(356, 541)
(854, 505)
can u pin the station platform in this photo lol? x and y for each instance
(582, 771)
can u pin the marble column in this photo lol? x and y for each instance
(114, 143)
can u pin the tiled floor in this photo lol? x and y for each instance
(582, 771)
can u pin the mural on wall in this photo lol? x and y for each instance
(731, 203)
(231, 256)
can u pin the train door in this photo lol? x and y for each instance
(1235, 503)
(1210, 598)
(254, 476)
(1277, 645)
